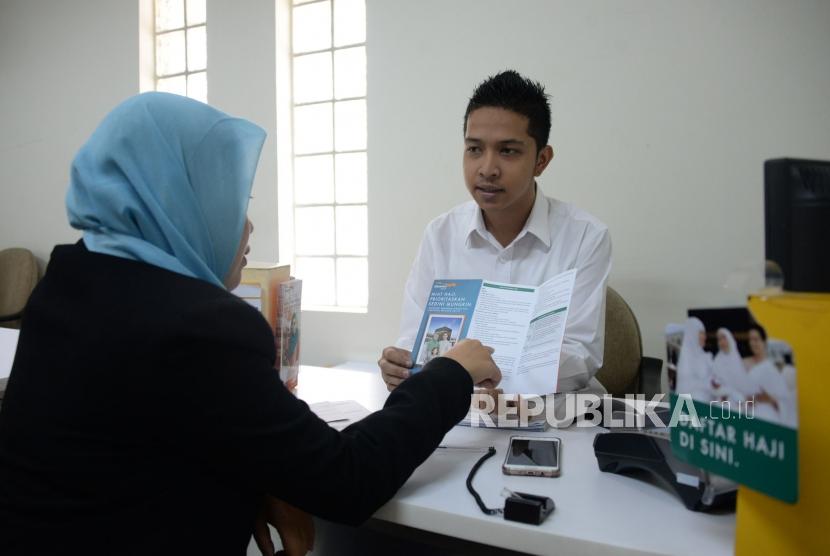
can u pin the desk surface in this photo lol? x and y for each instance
(596, 512)
(8, 345)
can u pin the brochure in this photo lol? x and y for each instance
(525, 326)
(288, 335)
(261, 288)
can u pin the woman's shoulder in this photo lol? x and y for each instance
(108, 288)
(225, 316)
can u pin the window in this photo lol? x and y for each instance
(329, 224)
(181, 48)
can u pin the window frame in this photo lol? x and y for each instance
(288, 204)
(187, 73)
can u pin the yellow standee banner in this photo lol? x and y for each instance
(766, 525)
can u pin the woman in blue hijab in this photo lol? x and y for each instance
(143, 414)
(185, 212)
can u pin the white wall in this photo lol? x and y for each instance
(63, 66)
(241, 65)
(664, 112)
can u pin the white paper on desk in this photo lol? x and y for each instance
(8, 347)
(525, 325)
(341, 414)
(478, 420)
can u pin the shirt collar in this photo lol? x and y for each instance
(537, 223)
(476, 225)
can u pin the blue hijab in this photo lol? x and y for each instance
(166, 180)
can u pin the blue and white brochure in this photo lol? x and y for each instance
(525, 326)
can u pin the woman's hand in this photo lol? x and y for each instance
(295, 527)
(476, 358)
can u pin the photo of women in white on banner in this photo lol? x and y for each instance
(441, 334)
(738, 367)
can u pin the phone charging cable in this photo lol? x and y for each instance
(491, 451)
(519, 506)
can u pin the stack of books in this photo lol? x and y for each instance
(278, 296)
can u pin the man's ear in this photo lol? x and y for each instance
(542, 160)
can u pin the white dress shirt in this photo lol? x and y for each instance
(556, 237)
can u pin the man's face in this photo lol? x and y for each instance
(501, 162)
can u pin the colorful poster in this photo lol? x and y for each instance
(737, 388)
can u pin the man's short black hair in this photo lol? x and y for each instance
(511, 91)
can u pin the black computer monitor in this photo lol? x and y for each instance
(797, 221)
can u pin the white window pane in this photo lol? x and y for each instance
(314, 230)
(352, 231)
(197, 86)
(350, 177)
(349, 22)
(313, 180)
(196, 48)
(170, 55)
(312, 128)
(298, 2)
(317, 275)
(196, 12)
(350, 72)
(312, 77)
(176, 85)
(169, 14)
(350, 125)
(311, 27)
(352, 282)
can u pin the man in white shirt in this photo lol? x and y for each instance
(510, 232)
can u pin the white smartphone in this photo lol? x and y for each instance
(533, 455)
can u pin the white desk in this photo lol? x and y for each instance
(8, 346)
(596, 513)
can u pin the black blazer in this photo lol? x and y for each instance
(143, 415)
